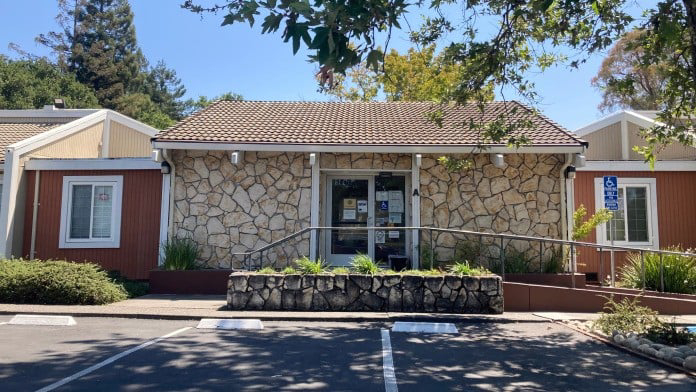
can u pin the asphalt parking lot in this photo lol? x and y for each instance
(316, 356)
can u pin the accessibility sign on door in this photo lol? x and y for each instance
(611, 193)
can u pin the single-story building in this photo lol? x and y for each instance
(656, 207)
(80, 185)
(246, 174)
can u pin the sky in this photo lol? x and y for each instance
(211, 59)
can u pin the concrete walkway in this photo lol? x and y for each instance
(193, 307)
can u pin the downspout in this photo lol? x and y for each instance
(172, 180)
(34, 215)
(565, 226)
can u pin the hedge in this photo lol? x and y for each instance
(57, 282)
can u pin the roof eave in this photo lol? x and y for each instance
(390, 148)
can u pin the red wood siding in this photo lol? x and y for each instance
(140, 221)
(676, 211)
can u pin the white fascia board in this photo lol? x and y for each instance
(638, 166)
(627, 115)
(601, 123)
(539, 149)
(93, 164)
(131, 123)
(54, 113)
(57, 133)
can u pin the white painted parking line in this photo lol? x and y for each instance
(3, 323)
(230, 324)
(388, 363)
(42, 319)
(109, 360)
(402, 326)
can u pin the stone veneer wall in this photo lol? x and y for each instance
(524, 198)
(375, 161)
(387, 293)
(230, 208)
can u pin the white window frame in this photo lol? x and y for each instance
(65, 212)
(653, 233)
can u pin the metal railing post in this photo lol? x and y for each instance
(502, 258)
(642, 267)
(572, 263)
(541, 256)
(601, 267)
(612, 283)
(662, 275)
(317, 235)
(260, 259)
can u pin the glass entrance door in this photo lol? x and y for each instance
(351, 204)
(366, 201)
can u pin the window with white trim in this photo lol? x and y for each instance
(91, 212)
(635, 223)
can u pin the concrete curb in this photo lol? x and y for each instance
(286, 316)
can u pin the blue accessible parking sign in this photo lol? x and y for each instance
(611, 193)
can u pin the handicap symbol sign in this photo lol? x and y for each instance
(384, 205)
(611, 193)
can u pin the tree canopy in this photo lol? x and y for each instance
(528, 35)
(418, 75)
(32, 84)
(625, 82)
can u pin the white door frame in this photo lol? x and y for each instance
(341, 259)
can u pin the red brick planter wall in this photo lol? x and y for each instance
(212, 281)
(560, 280)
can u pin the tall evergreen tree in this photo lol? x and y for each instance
(98, 43)
(165, 90)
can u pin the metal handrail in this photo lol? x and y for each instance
(247, 256)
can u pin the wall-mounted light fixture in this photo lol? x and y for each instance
(312, 159)
(157, 155)
(236, 157)
(570, 172)
(579, 160)
(498, 160)
(419, 160)
(166, 169)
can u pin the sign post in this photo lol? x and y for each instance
(611, 203)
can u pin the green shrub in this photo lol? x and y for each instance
(466, 269)
(363, 264)
(669, 333)
(307, 266)
(679, 272)
(267, 270)
(180, 254)
(626, 316)
(556, 263)
(427, 257)
(517, 262)
(57, 282)
(340, 270)
(289, 271)
(134, 288)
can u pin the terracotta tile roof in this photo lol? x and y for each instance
(11, 133)
(371, 123)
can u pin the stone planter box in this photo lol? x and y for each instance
(205, 281)
(559, 280)
(353, 292)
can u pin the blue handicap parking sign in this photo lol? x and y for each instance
(611, 193)
(384, 205)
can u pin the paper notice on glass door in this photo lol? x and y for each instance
(382, 195)
(396, 201)
(362, 206)
(380, 237)
(395, 217)
(348, 214)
